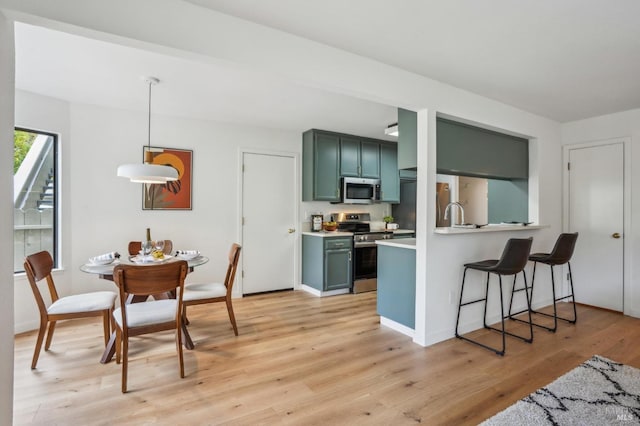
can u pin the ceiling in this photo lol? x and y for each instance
(88, 71)
(565, 60)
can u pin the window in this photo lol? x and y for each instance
(35, 176)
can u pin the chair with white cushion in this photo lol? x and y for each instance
(38, 266)
(197, 294)
(134, 319)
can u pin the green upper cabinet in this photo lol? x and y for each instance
(359, 158)
(328, 156)
(389, 176)
(349, 156)
(407, 139)
(370, 159)
(320, 162)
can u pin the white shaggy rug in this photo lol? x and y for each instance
(598, 392)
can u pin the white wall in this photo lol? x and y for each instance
(6, 226)
(624, 124)
(102, 212)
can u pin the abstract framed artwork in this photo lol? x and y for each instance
(174, 195)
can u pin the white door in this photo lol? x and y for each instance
(596, 207)
(269, 211)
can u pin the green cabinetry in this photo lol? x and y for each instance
(389, 176)
(320, 161)
(407, 139)
(326, 263)
(359, 158)
(328, 156)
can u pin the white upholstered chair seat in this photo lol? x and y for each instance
(148, 313)
(203, 291)
(87, 302)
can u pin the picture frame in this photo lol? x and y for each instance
(175, 195)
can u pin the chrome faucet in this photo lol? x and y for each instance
(446, 212)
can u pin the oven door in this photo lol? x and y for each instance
(365, 262)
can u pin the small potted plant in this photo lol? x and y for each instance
(387, 220)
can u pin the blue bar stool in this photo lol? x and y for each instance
(513, 260)
(561, 254)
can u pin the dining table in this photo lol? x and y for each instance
(105, 272)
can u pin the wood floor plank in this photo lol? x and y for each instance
(300, 359)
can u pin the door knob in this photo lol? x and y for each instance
(291, 230)
(615, 235)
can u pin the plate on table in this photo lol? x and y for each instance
(188, 256)
(150, 259)
(96, 262)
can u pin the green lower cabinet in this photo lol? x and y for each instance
(326, 262)
(397, 284)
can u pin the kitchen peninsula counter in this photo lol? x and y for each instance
(397, 284)
(487, 228)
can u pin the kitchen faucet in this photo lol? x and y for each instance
(446, 212)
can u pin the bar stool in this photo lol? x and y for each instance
(561, 254)
(513, 260)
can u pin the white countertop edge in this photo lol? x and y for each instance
(350, 234)
(488, 228)
(323, 234)
(406, 243)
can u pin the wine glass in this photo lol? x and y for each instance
(159, 245)
(147, 246)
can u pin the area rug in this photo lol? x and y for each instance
(598, 392)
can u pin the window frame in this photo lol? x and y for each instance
(56, 190)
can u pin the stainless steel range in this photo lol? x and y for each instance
(365, 251)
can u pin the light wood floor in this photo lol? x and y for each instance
(301, 360)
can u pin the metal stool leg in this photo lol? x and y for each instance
(555, 312)
(526, 339)
(460, 305)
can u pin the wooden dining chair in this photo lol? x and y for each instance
(198, 294)
(136, 246)
(38, 266)
(135, 319)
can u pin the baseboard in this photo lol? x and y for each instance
(321, 293)
(396, 326)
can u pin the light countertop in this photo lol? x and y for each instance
(324, 234)
(406, 243)
(488, 228)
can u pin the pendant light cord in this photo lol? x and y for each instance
(149, 129)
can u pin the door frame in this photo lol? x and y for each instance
(627, 307)
(238, 288)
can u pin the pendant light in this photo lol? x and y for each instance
(147, 172)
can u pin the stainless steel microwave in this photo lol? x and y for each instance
(360, 191)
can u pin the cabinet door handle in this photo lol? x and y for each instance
(349, 256)
(339, 244)
(291, 230)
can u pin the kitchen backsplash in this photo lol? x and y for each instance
(377, 212)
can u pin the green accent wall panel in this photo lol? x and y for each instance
(407, 139)
(389, 176)
(508, 200)
(466, 150)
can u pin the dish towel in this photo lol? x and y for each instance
(103, 257)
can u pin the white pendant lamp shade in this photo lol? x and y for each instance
(147, 172)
